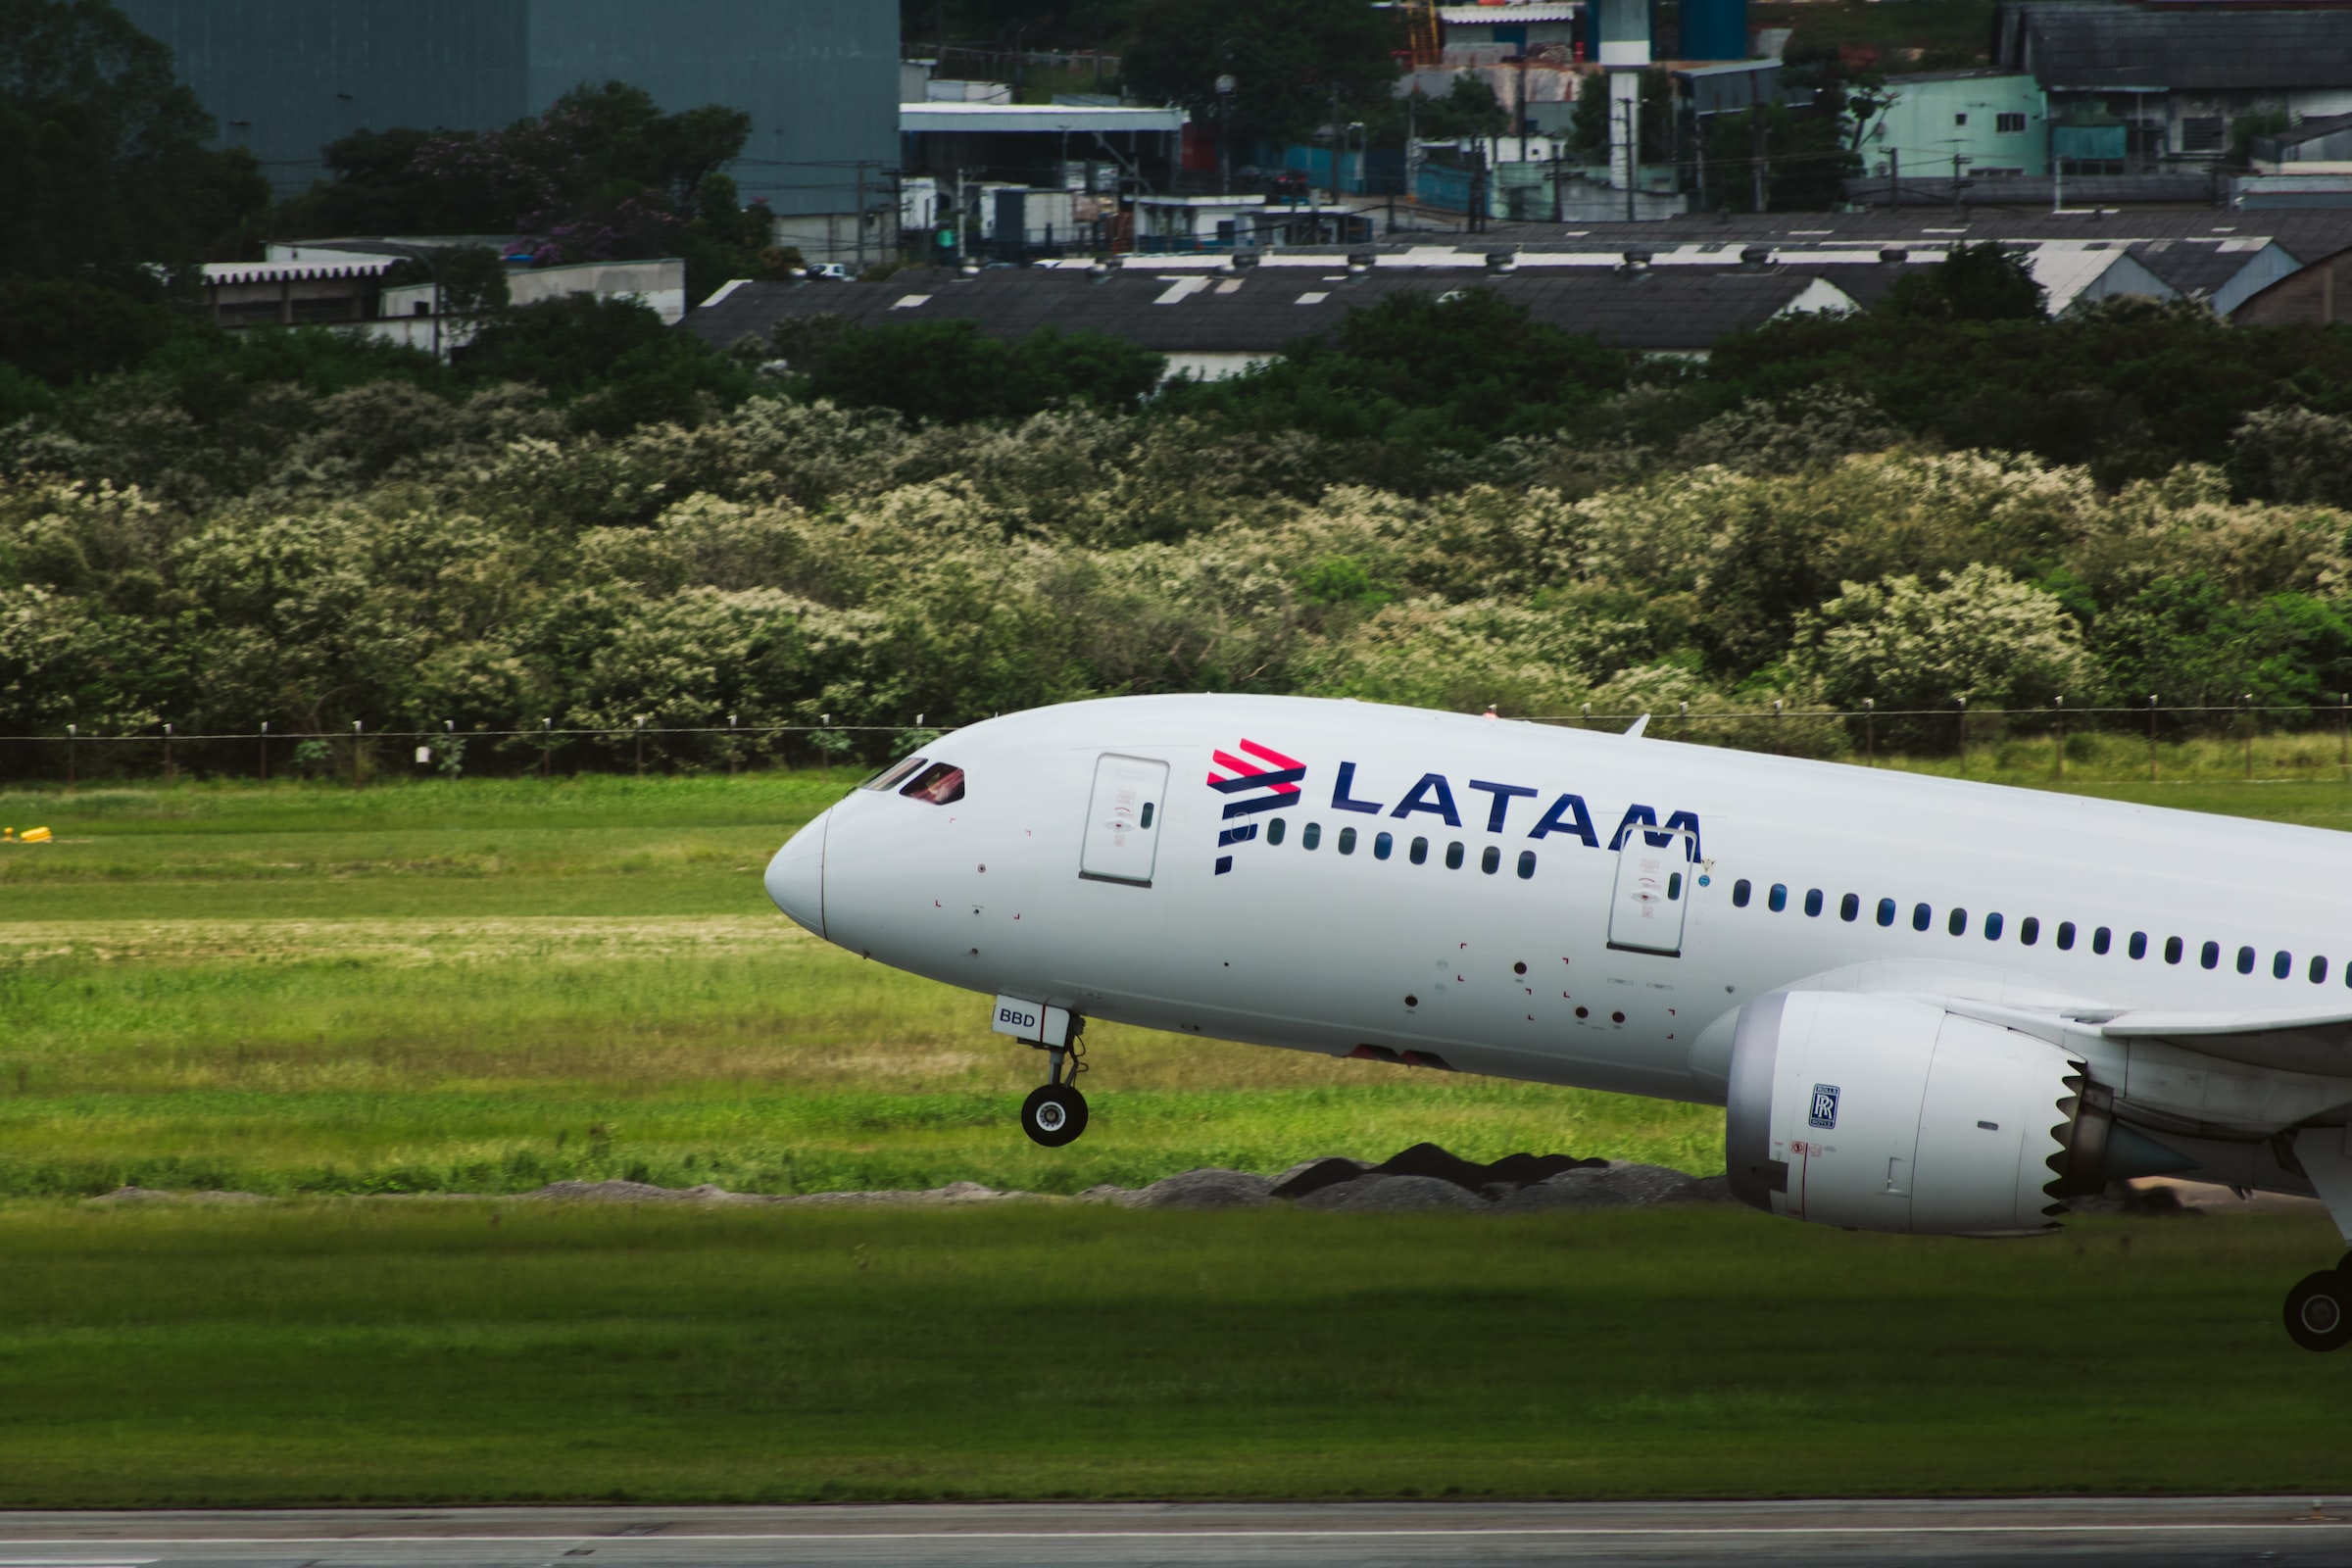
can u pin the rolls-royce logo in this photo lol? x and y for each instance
(1825, 1106)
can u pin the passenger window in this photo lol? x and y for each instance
(1145, 820)
(1921, 918)
(2171, 949)
(2245, 960)
(1382, 844)
(1491, 861)
(1527, 865)
(1674, 886)
(892, 775)
(2066, 936)
(1420, 851)
(1346, 840)
(1885, 912)
(1778, 898)
(1813, 901)
(1848, 906)
(1311, 836)
(2029, 930)
(940, 784)
(2319, 970)
(1957, 922)
(1276, 829)
(2101, 939)
(2139, 946)
(1453, 856)
(2210, 955)
(2282, 964)
(1740, 892)
(1992, 927)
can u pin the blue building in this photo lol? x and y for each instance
(284, 77)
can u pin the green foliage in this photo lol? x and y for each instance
(60, 330)
(1291, 60)
(1980, 282)
(611, 359)
(950, 370)
(1412, 374)
(102, 152)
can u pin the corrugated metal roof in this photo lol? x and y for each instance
(1657, 310)
(285, 272)
(1511, 16)
(2122, 47)
(949, 117)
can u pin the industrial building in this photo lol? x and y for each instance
(284, 77)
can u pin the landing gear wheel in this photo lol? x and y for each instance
(2318, 1310)
(1054, 1115)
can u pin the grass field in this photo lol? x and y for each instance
(485, 985)
(454, 1351)
(481, 986)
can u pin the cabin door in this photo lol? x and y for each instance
(1654, 889)
(1122, 819)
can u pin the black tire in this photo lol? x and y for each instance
(2319, 1311)
(1053, 1115)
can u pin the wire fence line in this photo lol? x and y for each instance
(73, 756)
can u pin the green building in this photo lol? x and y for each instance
(1994, 122)
(284, 77)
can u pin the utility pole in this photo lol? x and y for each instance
(861, 215)
(1895, 176)
(1632, 153)
(1756, 117)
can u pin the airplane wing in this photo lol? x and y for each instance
(2313, 1039)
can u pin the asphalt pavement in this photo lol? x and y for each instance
(2145, 1532)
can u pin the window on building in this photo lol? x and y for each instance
(2203, 133)
(1960, 120)
(2009, 125)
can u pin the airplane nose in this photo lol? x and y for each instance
(795, 877)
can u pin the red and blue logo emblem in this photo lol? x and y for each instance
(1261, 779)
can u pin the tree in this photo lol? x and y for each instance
(612, 359)
(1289, 59)
(1982, 282)
(103, 155)
(951, 372)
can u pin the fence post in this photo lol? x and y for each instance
(1776, 726)
(732, 745)
(2059, 703)
(73, 738)
(2247, 703)
(171, 773)
(546, 749)
(357, 731)
(2151, 737)
(641, 727)
(1587, 715)
(1962, 702)
(1683, 730)
(1870, 732)
(263, 749)
(2343, 739)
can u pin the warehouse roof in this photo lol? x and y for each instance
(2121, 47)
(1108, 119)
(1258, 310)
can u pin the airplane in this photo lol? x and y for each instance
(1925, 1004)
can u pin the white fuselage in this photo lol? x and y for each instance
(1573, 973)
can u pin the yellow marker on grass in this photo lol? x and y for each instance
(36, 835)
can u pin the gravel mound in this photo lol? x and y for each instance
(1313, 1175)
(1613, 1186)
(1373, 1193)
(1201, 1189)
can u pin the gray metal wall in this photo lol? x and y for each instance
(819, 77)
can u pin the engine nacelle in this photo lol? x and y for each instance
(1884, 1113)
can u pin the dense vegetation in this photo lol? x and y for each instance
(593, 519)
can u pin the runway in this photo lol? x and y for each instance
(2148, 1533)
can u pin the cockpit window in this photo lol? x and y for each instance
(940, 784)
(890, 776)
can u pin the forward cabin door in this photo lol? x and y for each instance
(1654, 889)
(1122, 819)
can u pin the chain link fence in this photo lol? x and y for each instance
(2261, 740)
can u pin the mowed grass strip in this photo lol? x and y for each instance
(494, 1056)
(439, 1351)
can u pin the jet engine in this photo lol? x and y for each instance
(1886, 1113)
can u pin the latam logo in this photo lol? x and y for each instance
(1266, 781)
(1272, 772)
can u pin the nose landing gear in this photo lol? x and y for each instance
(1055, 1114)
(2319, 1309)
